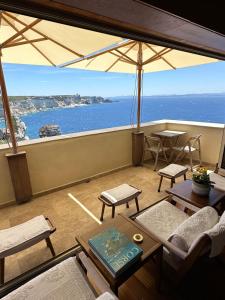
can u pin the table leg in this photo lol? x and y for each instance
(2, 270)
(102, 213)
(172, 182)
(160, 183)
(137, 205)
(113, 211)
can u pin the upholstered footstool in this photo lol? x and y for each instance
(172, 172)
(119, 195)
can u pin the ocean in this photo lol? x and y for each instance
(202, 107)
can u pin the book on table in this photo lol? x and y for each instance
(114, 250)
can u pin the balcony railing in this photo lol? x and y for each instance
(62, 161)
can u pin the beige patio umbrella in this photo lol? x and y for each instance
(130, 56)
(27, 40)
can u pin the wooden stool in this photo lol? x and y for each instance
(172, 172)
(117, 196)
(22, 236)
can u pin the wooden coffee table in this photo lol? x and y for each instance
(150, 246)
(183, 191)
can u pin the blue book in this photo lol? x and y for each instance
(115, 250)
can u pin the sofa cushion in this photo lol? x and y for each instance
(187, 232)
(162, 219)
(64, 281)
(217, 236)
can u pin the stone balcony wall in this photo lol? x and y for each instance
(61, 161)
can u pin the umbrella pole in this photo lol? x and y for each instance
(5, 102)
(138, 136)
(139, 98)
(17, 160)
(139, 71)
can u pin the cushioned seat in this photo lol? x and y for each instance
(18, 235)
(22, 236)
(185, 237)
(120, 194)
(117, 196)
(186, 149)
(172, 172)
(162, 219)
(66, 280)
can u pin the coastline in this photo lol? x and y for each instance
(85, 117)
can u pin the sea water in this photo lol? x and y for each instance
(204, 108)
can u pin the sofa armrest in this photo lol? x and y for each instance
(96, 279)
(176, 251)
(107, 296)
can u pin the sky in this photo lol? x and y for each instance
(27, 80)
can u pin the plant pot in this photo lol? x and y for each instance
(200, 189)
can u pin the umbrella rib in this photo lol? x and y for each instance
(0, 18)
(163, 58)
(97, 53)
(17, 40)
(44, 35)
(25, 42)
(129, 58)
(35, 47)
(20, 32)
(115, 62)
(122, 59)
(157, 56)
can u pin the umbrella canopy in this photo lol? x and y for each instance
(27, 40)
(130, 56)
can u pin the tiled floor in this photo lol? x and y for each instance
(70, 219)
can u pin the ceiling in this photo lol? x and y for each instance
(207, 14)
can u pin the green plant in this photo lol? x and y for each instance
(201, 176)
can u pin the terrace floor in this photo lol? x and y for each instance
(70, 218)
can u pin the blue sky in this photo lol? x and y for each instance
(37, 80)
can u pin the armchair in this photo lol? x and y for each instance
(70, 275)
(185, 238)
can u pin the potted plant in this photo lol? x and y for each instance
(201, 183)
